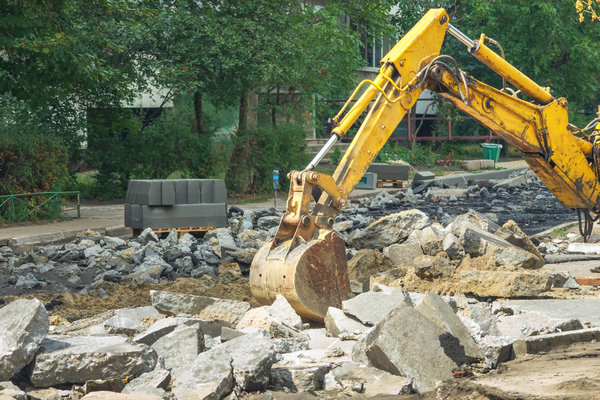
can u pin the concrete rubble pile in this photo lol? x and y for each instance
(431, 301)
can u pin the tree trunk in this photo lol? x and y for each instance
(198, 110)
(248, 117)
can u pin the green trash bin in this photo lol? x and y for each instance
(491, 151)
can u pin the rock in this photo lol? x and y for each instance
(145, 383)
(180, 348)
(9, 391)
(280, 311)
(28, 281)
(163, 327)
(430, 242)
(113, 241)
(525, 324)
(435, 309)
(159, 378)
(406, 343)
(229, 312)
(390, 229)
(385, 278)
(249, 358)
(230, 334)
(120, 396)
(77, 359)
(451, 245)
(337, 322)
(404, 253)
(371, 308)
(469, 220)
(430, 268)
(244, 256)
(512, 256)
(343, 226)
(506, 284)
(268, 222)
(374, 381)
(511, 232)
(147, 236)
(366, 263)
(128, 321)
(24, 325)
(98, 385)
(230, 268)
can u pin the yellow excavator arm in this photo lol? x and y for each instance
(306, 260)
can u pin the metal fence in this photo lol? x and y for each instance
(37, 205)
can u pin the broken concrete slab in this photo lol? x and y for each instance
(367, 262)
(247, 360)
(407, 343)
(512, 257)
(430, 242)
(280, 312)
(435, 309)
(511, 182)
(371, 307)
(451, 245)
(128, 321)
(209, 378)
(469, 220)
(9, 391)
(105, 395)
(77, 359)
(403, 253)
(586, 309)
(545, 343)
(511, 232)
(24, 325)
(583, 248)
(506, 284)
(337, 322)
(374, 381)
(390, 229)
(525, 324)
(230, 312)
(475, 241)
(180, 348)
(163, 327)
(157, 379)
(305, 371)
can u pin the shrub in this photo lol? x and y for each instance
(256, 153)
(416, 155)
(32, 163)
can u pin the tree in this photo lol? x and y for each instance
(542, 39)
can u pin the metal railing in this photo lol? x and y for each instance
(38, 204)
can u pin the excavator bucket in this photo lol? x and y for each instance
(312, 275)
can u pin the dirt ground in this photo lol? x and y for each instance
(130, 294)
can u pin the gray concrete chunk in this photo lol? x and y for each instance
(128, 321)
(77, 359)
(246, 359)
(370, 308)
(24, 324)
(375, 381)
(390, 229)
(159, 378)
(545, 343)
(435, 309)
(406, 343)
(180, 348)
(208, 308)
(337, 322)
(404, 253)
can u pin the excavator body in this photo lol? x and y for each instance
(306, 260)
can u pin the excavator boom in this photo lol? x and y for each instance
(306, 260)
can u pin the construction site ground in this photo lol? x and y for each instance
(571, 372)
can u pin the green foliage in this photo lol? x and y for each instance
(120, 148)
(31, 162)
(544, 40)
(416, 155)
(336, 156)
(562, 231)
(258, 152)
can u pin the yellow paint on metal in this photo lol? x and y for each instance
(513, 75)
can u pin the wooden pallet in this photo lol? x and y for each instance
(180, 231)
(394, 183)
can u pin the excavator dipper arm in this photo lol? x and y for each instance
(306, 261)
